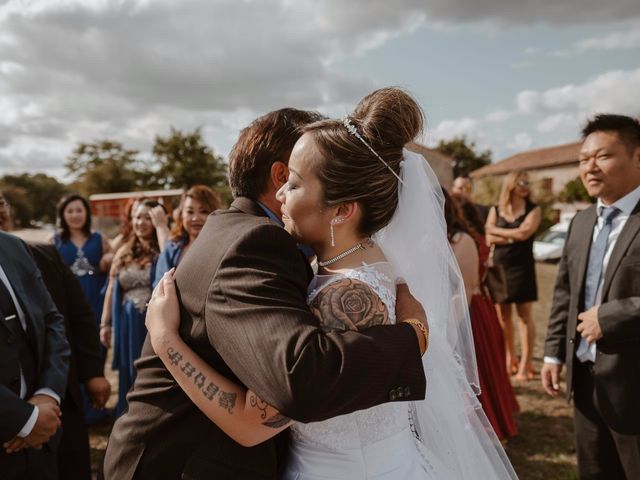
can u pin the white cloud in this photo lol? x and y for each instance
(80, 70)
(614, 91)
(132, 68)
(521, 141)
(559, 122)
(613, 41)
(556, 112)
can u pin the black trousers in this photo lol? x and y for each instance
(603, 454)
(29, 464)
(74, 460)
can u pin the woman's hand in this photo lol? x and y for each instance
(163, 311)
(105, 335)
(159, 217)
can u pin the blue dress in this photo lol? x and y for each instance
(84, 262)
(170, 257)
(131, 292)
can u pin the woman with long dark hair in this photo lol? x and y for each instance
(130, 280)
(497, 398)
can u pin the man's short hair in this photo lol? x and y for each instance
(266, 140)
(627, 128)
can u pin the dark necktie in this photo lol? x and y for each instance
(18, 336)
(596, 257)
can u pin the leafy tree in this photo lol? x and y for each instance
(465, 155)
(183, 160)
(574, 191)
(42, 192)
(105, 167)
(20, 207)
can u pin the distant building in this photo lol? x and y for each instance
(108, 208)
(441, 163)
(550, 169)
(553, 167)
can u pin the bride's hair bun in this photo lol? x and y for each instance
(386, 120)
(388, 117)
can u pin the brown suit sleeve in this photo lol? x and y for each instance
(555, 343)
(257, 319)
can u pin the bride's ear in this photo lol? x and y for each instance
(347, 212)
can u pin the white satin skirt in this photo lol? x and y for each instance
(393, 458)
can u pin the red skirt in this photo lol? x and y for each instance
(497, 398)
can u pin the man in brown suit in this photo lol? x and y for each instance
(594, 326)
(243, 287)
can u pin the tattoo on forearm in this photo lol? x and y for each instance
(226, 400)
(174, 357)
(349, 304)
(276, 421)
(210, 391)
(188, 369)
(199, 380)
(258, 403)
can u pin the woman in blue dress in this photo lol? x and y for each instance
(129, 289)
(195, 206)
(89, 256)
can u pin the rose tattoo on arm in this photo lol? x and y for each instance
(349, 304)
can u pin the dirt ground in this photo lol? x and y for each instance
(544, 448)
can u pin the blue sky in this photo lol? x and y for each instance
(508, 75)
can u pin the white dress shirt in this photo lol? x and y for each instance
(26, 429)
(626, 204)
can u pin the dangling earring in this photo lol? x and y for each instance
(333, 239)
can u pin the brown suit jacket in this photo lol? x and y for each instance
(243, 286)
(617, 364)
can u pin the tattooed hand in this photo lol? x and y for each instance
(163, 311)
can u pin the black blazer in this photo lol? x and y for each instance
(618, 351)
(47, 327)
(243, 287)
(80, 323)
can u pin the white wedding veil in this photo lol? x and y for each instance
(450, 422)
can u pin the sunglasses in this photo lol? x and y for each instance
(523, 183)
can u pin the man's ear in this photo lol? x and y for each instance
(279, 174)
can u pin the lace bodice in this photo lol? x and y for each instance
(136, 284)
(358, 429)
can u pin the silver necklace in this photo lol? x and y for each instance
(356, 247)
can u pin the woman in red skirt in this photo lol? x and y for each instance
(467, 240)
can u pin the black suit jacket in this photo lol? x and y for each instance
(243, 287)
(617, 364)
(80, 323)
(47, 327)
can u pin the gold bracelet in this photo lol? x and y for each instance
(422, 328)
(106, 325)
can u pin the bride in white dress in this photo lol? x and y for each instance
(372, 211)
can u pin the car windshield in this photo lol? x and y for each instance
(557, 238)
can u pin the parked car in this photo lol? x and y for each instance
(548, 246)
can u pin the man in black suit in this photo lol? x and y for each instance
(85, 366)
(286, 358)
(34, 356)
(594, 327)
